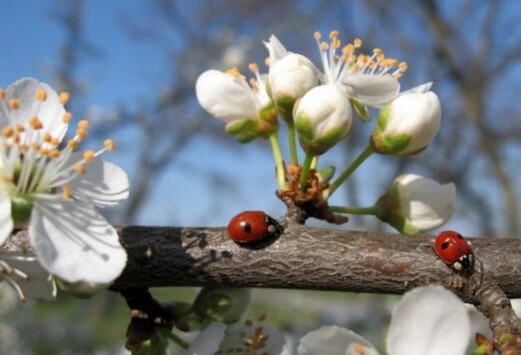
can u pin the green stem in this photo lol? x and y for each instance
(304, 174)
(292, 142)
(171, 336)
(373, 210)
(314, 162)
(277, 156)
(366, 153)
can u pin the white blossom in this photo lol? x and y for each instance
(409, 123)
(428, 320)
(415, 204)
(56, 189)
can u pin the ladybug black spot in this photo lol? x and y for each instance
(246, 227)
(444, 245)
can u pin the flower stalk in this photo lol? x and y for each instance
(366, 153)
(277, 157)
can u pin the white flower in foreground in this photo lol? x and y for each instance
(322, 118)
(291, 75)
(409, 123)
(371, 80)
(428, 320)
(57, 190)
(415, 204)
(246, 108)
(247, 338)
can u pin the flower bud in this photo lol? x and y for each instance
(248, 111)
(225, 305)
(322, 118)
(415, 204)
(408, 124)
(291, 76)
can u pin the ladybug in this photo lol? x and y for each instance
(252, 226)
(454, 250)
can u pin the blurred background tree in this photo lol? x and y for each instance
(131, 68)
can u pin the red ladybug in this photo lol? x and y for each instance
(252, 226)
(454, 250)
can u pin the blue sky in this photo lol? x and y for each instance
(123, 73)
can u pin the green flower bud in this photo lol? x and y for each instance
(408, 124)
(225, 305)
(322, 118)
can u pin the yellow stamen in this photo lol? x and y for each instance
(20, 127)
(72, 144)
(82, 133)
(324, 46)
(55, 153)
(66, 192)
(55, 141)
(83, 124)
(64, 97)
(44, 152)
(254, 68)
(47, 138)
(234, 72)
(79, 168)
(35, 123)
(67, 117)
(317, 35)
(2, 94)
(109, 144)
(7, 131)
(41, 95)
(333, 35)
(35, 146)
(88, 155)
(357, 43)
(24, 147)
(267, 61)
(359, 349)
(14, 104)
(403, 66)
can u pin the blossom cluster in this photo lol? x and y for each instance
(318, 106)
(49, 186)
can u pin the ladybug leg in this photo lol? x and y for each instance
(457, 266)
(456, 282)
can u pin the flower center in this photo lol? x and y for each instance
(337, 65)
(33, 162)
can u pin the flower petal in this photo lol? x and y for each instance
(372, 90)
(50, 111)
(103, 184)
(74, 242)
(429, 321)
(40, 284)
(225, 96)
(275, 48)
(208, 341)
(6, 221)
(333, 340)
(425, 203)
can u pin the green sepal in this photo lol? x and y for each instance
(218, 306)
(326, 174)
(482, 349)
(244, 130)
(311, 144)
(390, 144)
(285, 104)
(157, 344)
(389, 212)
(21, 208)
(361, 110)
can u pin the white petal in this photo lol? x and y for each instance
(372, 90)
(40, 284)
(422, 88)
(424, 202)
(103, 184)
(6, 222)
(224, 96)
(275, 48)
(74, 242)
(208, 341)
(50, 111)
(429, 321)
(333, 340)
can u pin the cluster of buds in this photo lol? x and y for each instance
(318, 106)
